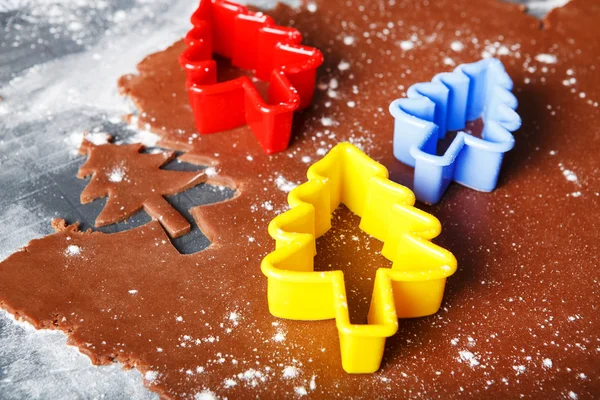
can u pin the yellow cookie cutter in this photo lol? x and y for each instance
(413, 287)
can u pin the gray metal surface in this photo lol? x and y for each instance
(59, 62)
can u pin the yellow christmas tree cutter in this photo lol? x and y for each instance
(413, 287)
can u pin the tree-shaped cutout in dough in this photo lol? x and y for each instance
(132, 181)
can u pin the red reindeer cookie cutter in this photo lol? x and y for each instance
(251, 40)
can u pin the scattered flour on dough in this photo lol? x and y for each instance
(253, 377)
(73, 250)
(466, 355)
(568, 174)
(279, 336)
(449, 61)
(284, 185)
(116, 175)
(519, 369)
(234, 316)
(300, 391)
(457, 46)
(326, 121)
(546, 58)
(290, 372)
(229, 383)
(344, 66)
(406, 45)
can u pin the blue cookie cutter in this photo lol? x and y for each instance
(480, 89)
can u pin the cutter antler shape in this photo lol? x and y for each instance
(254, 42)
(413, 287)
(481, 89)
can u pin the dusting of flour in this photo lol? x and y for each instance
(25, 349)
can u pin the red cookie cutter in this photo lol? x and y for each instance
(252, 41)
